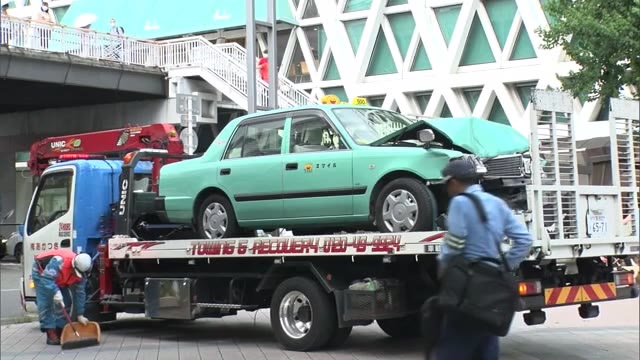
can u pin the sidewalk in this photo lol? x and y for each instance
(614, 335)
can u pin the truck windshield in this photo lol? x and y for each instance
(368, 125)
(51, 200)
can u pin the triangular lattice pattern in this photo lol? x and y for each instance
(473, 57)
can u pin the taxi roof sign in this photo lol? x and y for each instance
(332, 99)
(359, 101)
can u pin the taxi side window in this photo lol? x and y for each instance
(313, 133)
(257, 139)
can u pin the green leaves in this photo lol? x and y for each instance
(603, 37)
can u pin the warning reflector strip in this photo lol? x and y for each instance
(578, 294)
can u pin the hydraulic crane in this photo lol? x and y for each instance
(108, 144)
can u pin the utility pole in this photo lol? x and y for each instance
(252, 78)
(272, 41)
(251, 57)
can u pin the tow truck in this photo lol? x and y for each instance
(318, 287)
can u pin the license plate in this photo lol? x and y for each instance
(597, 225)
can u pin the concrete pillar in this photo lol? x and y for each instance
(7, 187)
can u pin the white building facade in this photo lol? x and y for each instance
(435, 58)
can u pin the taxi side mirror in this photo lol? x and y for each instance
(426, 136)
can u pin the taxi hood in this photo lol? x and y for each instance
(481, 137)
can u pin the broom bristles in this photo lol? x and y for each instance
(74, 344)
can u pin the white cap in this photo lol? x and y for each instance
(82, 265)
(6, 2)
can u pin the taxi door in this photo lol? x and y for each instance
(49, 221)
(317, 169)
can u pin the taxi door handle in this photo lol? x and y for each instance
(225, 171)
(291, 166)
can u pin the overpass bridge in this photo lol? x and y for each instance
(36, 59)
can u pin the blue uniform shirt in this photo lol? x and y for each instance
(467, 235)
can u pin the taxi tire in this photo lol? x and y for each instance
(232, 225)
(424, 198)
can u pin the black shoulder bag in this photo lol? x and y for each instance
(484, 294)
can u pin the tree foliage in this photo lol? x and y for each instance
(603, 38)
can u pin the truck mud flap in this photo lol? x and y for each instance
(580, 294)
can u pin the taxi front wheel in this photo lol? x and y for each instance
(404, 205)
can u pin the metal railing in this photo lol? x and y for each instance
(226, 61)
(239, 54)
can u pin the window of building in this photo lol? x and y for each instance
(354, 29)
(257, 139)
(497, 113)
(357, 5)
(397, 2)
(381, 62)
(313, 133)
(447, 17)
(337, 91)
(298, 71)
(524, 93)
(501, 14)
(472, 95)
(311, 11)
(523, 48)
(476, 48)
(317, 39)
(376, 100)
(422, 99)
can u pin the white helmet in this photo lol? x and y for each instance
(82, 265)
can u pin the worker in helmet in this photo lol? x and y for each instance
(59, 276)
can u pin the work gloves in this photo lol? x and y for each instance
(57, 299)
(83, 320)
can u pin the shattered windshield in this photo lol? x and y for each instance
(368, 125)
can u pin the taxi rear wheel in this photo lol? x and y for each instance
(403, 205)
(216, 218)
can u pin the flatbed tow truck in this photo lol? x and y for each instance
(318, 287)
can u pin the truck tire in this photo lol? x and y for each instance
(405, 204)
(303, 317)
(18, 253)
(339, 337)
(216, 218)
(93, 313)
(402, 328)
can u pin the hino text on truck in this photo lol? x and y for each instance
(175, 236)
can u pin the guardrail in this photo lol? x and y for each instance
(227, 61)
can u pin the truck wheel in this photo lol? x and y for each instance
(216, 218)
(339, 337)
(18, 253)
(402, 328)
(303, 317)
(404, 204)
(93, 313)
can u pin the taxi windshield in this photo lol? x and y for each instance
(368, 125)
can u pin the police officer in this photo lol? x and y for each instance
(468, 236)
(56, 274)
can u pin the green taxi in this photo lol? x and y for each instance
(330, 166)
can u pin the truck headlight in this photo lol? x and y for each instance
(526, 165)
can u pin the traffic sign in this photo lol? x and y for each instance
(189, 139)
(187, 104)
(188, 120)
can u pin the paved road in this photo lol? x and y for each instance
(10, 273)
(614, 335)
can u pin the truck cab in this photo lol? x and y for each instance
(71, 208)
